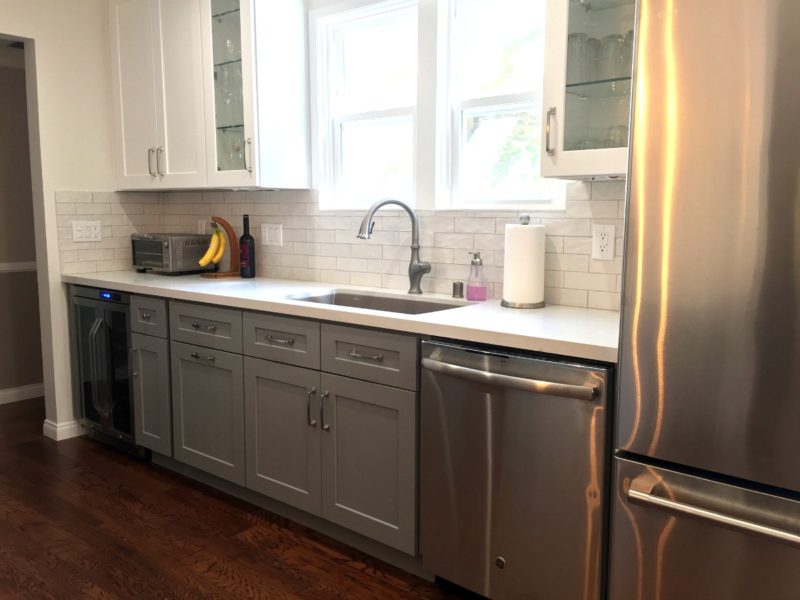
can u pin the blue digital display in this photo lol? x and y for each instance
(106, 295)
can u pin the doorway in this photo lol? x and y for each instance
(21, 388)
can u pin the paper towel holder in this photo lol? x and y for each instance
(524, 219)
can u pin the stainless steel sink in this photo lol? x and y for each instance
(383, 302)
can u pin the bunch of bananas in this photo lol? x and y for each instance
(216, 249)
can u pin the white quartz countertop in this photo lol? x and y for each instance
(575, 332)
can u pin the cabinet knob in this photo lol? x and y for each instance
(136, 373)
(146, 316)
(212, 328)
(500, 562)
(195, 324)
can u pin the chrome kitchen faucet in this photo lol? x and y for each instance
(416, 267)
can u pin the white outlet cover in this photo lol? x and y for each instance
(202, 226)
(87, 231)
(271, 234)
(603, 242)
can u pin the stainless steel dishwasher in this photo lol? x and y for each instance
(512, 467)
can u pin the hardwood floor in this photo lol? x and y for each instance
(78, 519)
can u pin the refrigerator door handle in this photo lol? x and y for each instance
(643, 491)
(566, 390)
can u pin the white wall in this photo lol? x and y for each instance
(68, 72)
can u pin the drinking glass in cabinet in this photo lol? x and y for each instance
(582, 54)
(228, 95)
(611, 63)
(230, 149)
(227, 36)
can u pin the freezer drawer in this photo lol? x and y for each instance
(511, 473)
(676, 536)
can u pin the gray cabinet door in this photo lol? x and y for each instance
(369, 457)
(152, 407)
(208, 410)
(282, 406)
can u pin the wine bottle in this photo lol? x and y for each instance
(247, 252)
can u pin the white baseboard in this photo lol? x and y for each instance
(62, 431)
(24, 392)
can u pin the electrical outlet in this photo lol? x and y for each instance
(603, 240)
(87, 231)
(202, 226)
(271, 234)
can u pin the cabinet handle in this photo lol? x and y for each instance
(551, 112)
(282, 341)
(146, 316)
(356, 354)
(248, 164)
(323, 397)
(150, 152)
(212, 328)
(159, 152)
(310, 392)
(136, 351)
(208, 357)
(195, 324)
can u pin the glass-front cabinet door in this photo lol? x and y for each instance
(587, 88)
(228, 56)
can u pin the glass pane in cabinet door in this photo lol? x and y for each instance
(599, 72)
(228, 87)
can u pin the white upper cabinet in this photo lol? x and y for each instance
(587, 88)
(210, 93)
(158, 93)
(256, 93)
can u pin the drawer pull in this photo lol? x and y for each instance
(195, 324)
(310, 392)
(212, 328)
(282, 341)
(146, 316)
(356, 354)
(208, 357)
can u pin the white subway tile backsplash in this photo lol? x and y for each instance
(322, 245)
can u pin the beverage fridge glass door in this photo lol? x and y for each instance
(678, 536)
(118, 383)
(88, 322)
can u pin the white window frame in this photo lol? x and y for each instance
(449, 143)
(437, 124)
(327, 128)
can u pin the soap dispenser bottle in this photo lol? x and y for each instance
(476, 284)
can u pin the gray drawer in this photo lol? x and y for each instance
(282, 339)
(387, 358)
(149, 316)
(208, 326)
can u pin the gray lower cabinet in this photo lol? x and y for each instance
(151, 393)
(369, 476)
(282, 433)
(208, 410)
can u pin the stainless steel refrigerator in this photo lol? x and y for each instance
(706, 499)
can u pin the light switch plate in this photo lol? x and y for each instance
(603, 241)
(87, 231)
(271, 234)
(202, 226)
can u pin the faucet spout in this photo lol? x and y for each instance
(416, 267)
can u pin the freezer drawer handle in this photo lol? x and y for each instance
(580, 392)
(643, 490)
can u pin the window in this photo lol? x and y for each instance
(470, 139)
(492, 81)
(366, 61)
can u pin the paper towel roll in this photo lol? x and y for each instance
(523, 271)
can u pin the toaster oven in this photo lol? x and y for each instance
(169, 252)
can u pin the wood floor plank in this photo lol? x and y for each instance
(81, 520)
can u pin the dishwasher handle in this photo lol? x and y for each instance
(550, 388)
